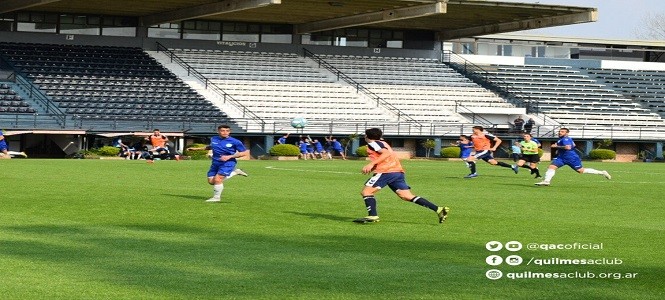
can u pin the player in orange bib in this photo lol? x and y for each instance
(482, 144)
(388, 171)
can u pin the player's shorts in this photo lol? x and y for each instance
(572, 161)
(396, 181)
(339, 150)
(484, 155)
(303, 151)
(223, 168)
(465, 156)
(530, 158)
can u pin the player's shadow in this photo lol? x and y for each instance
(191, 197)
(320, 216)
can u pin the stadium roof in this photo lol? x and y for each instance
(451, 19)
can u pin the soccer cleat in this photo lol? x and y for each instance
(368, 219)
(23, 154)
(607, 175)
(241, 172)
(474, 175)
(538, 176)
(443, 213)
(213, 199)
(543, 183)
(515, 168)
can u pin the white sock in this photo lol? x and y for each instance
(592, 171)
(233, 173)
(217, 190)
(549, 174)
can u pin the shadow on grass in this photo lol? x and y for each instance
(321, 216)
(192, 197)
(169, 260)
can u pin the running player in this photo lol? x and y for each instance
(225, 150)
(566, 156)
(482, 143)
(388, 171)
(529, 154)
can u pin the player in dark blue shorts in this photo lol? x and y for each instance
(566, 156)
(225, 150)
(336, 146)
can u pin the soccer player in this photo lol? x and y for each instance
(566, 156)
(529, 150)
(388, 171)
(282, 140)
(335, 145)
(302, 145)
(318, 149)
(465, 146)
(159, 149)
(482, 143)
(4, 149)
(225, 151)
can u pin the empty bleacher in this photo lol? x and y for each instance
(572, 98)
(425, 89)
(645, 86)
(94, 82)
(11, 102)
(279, 86)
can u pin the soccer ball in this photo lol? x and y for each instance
(299, 122)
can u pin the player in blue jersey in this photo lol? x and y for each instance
(318, 149)
(302, 145)
(465, 148)
(4, 149)
(282, 140)
(225, 150)
(566, 156)
(336, 146)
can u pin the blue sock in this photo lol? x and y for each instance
(423, 202)
(370, 204)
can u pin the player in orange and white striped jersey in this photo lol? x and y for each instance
(388, 171)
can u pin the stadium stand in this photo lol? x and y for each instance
(97, 82)
(645, 86)
(423, 88)
(11, 102)
(279, 86)
(574, 99)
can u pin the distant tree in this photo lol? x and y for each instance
(652, 28)
(428, 144)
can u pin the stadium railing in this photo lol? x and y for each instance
(360, 88)
(247, 113)
(484, 78)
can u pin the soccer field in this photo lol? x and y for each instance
(99, 229)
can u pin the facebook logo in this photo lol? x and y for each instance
(494, 260)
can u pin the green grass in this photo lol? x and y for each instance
(96, 229)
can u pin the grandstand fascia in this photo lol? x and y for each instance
(576, 18)
(205, 10)
(13, 5)
(374, 18)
